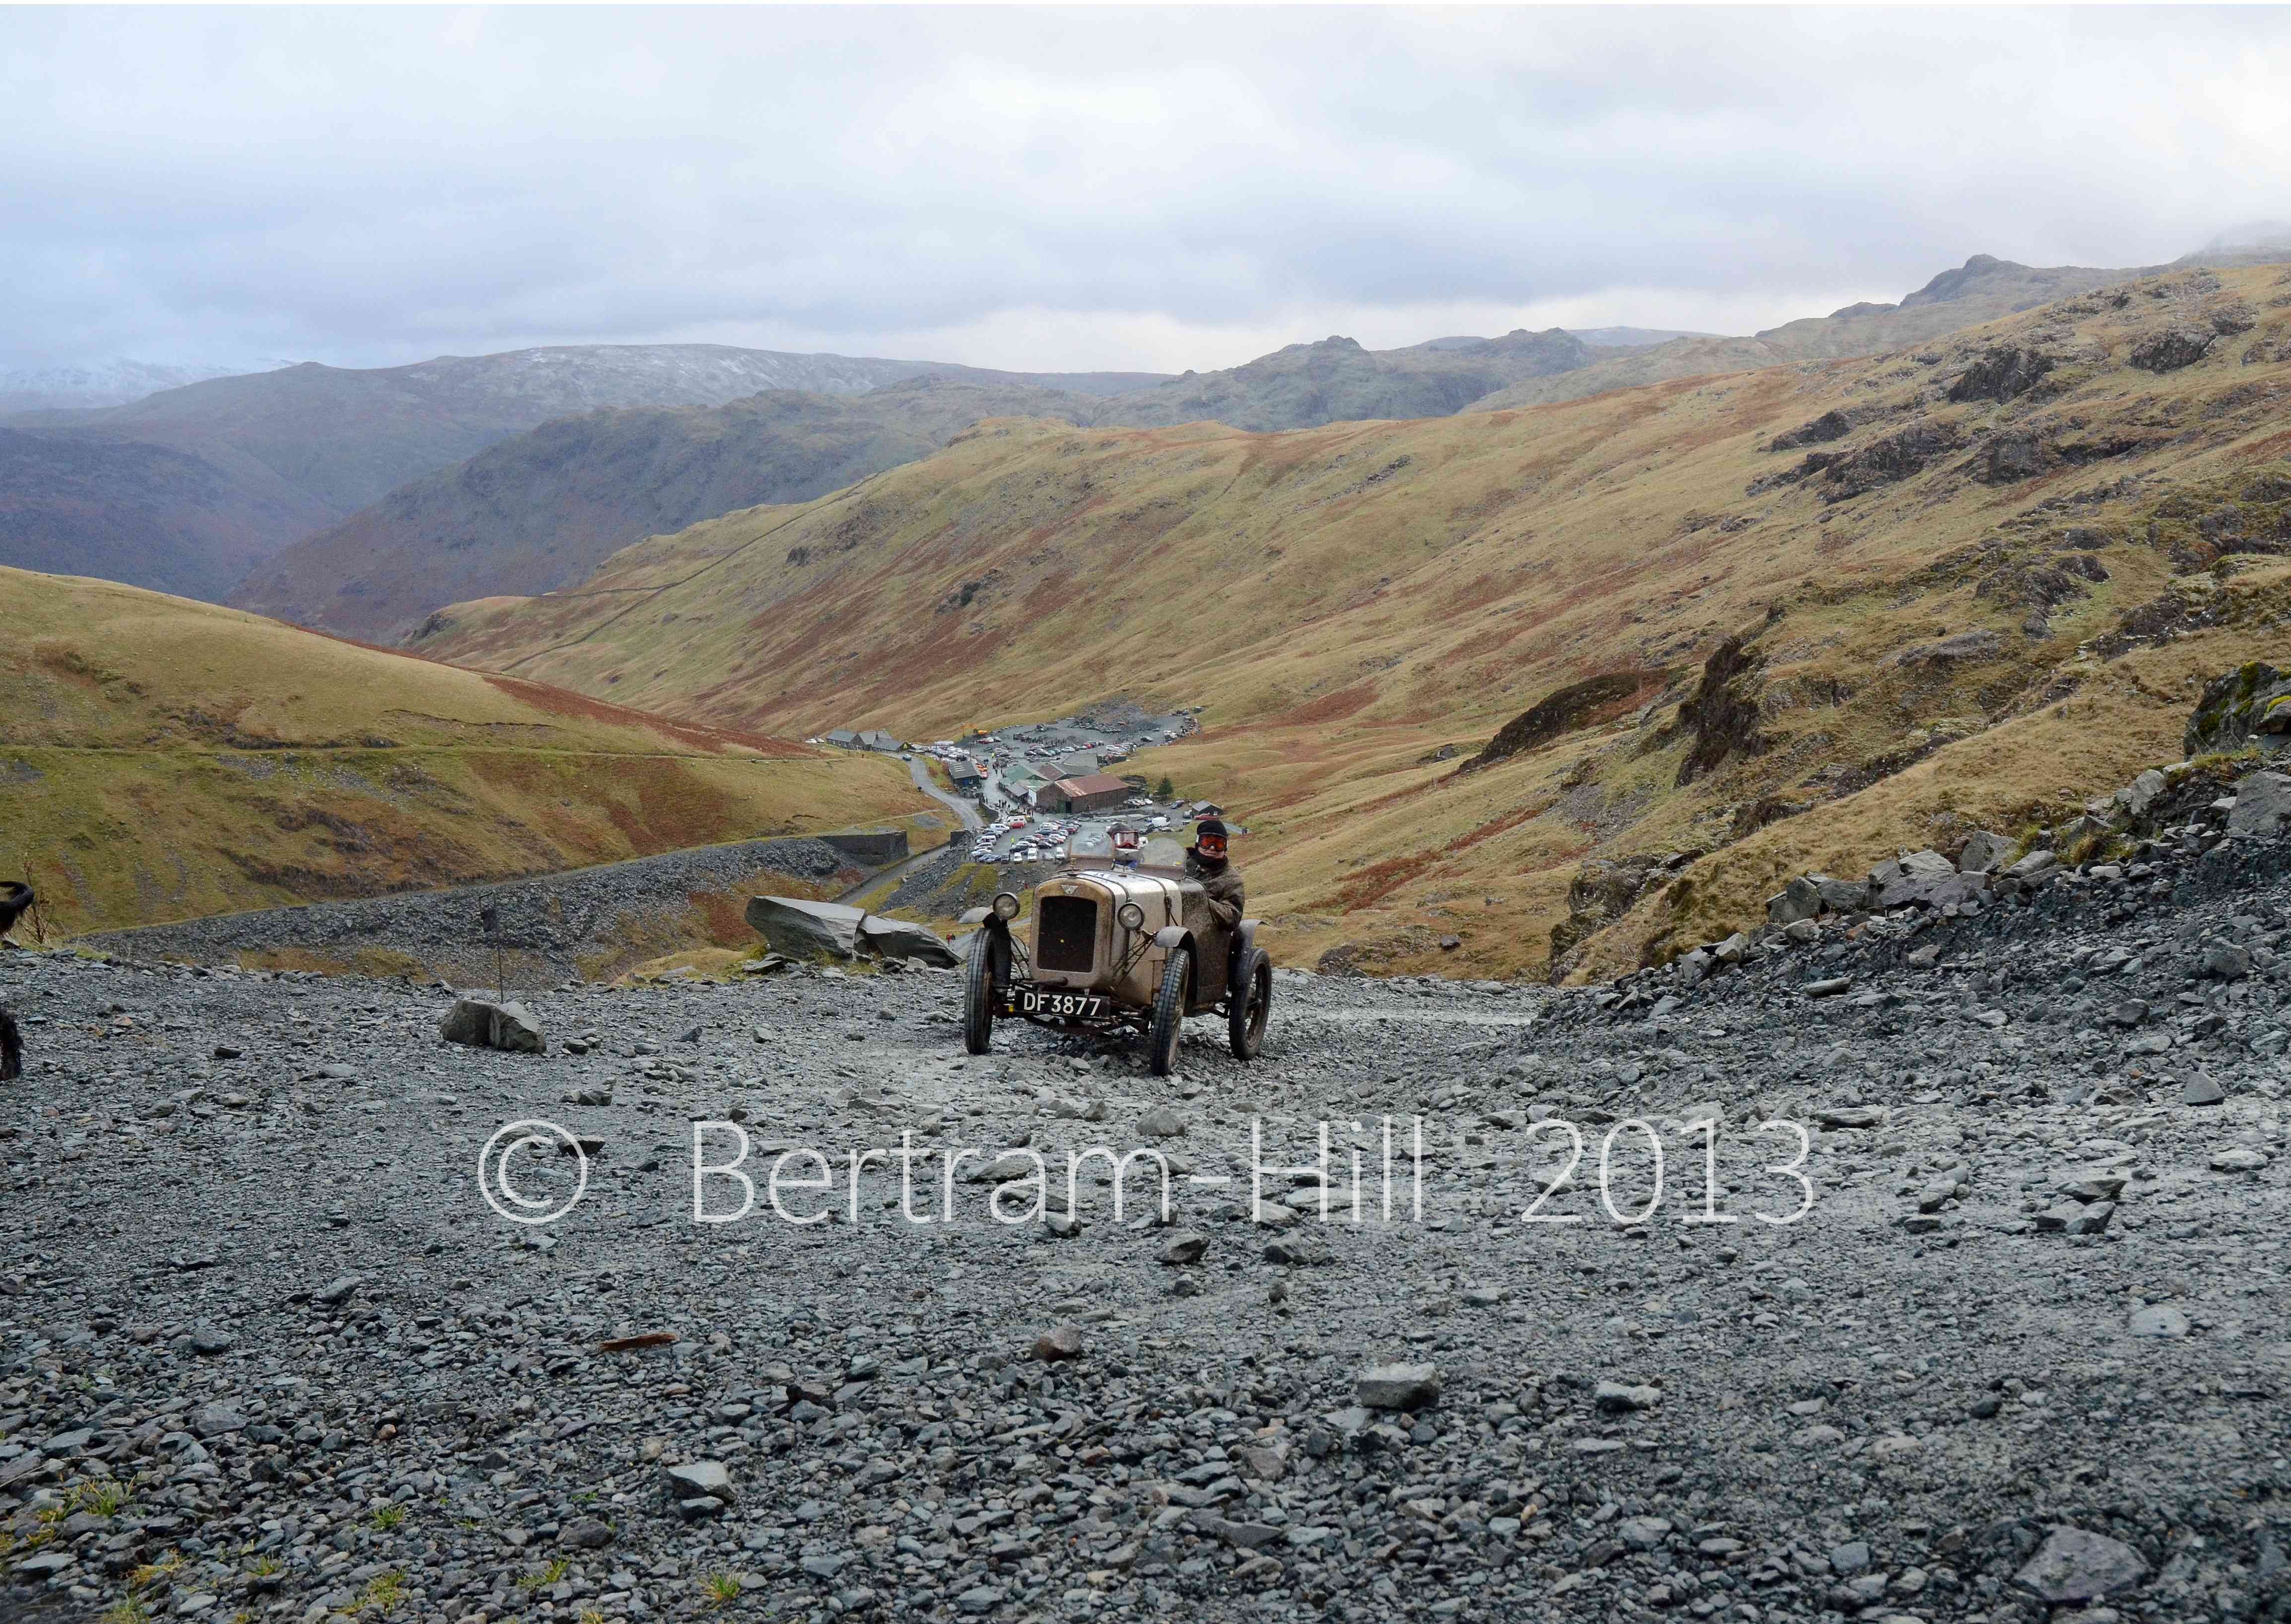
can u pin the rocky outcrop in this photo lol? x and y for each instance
(2005, 372)
(2263, 806)
(1722, 716)
(2248, 705)
(1965, 648)
(2137, 818)
(2171, 349)
(1832, 425)
(1889, 460)
(1565, 710)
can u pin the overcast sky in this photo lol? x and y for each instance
(1080, 190)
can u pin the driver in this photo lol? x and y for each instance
(1221, 883)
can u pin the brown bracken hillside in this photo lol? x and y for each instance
(1887, 599)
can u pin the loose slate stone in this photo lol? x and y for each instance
(212, 1422)
(2094, 1186)
(1397, 1387)
(1643, 1533)
(2074, 1564)
(2159, 1320)
(2073, 1219)
(585, 1534)
(1183, 1248)
(1161, 1123)
(711, 1478)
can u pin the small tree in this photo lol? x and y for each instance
(1165, 790)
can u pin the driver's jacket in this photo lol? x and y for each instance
(1221, 888)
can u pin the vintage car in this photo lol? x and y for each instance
(1115, 942)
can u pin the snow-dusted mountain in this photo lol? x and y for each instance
(99, 383)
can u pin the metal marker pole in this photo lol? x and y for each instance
(39, 928)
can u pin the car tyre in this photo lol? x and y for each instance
(1246, 1014)
(1169, 1012)
(982, 986)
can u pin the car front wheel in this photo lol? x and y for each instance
(1169, 1012)
(982, 987)
(1246, 1016)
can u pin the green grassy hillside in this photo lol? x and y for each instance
(164, 759)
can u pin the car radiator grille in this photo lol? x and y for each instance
(1066, 938)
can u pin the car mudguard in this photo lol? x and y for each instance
(1244, 941)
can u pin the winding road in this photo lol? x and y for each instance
(920, 770)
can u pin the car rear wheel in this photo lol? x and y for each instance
(982, 988)
(1169, 1012)
(1246, 1016)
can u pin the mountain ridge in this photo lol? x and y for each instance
(543, 509)
(291, 456)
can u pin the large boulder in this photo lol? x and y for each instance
(1982, 852)
(801, 930)
(805, 929)
(2142, 793)
(1799, 899)
(1927, 890)
(2034, 866)
(2249, 705)
(2263, 805)
(1842, 896)
(1924, 878)
(1909, 864)
(482, 1024)
(896, 939)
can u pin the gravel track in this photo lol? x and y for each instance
(253, 1285)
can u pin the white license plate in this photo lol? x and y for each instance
(1053, 1005)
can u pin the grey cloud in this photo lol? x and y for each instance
(368, 186)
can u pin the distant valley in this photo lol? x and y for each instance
(544, 509)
